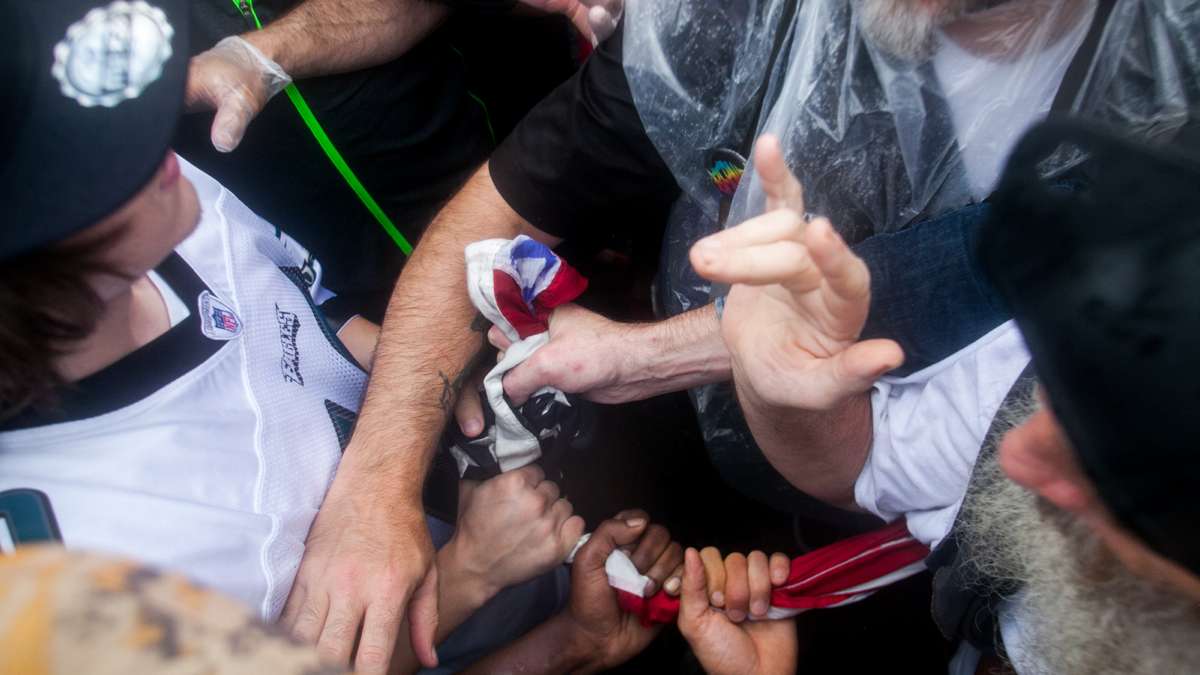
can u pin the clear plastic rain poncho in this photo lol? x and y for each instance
(878, 141)
(881, 142)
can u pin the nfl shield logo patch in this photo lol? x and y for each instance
(217, 320)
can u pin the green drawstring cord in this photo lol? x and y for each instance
(246, 7)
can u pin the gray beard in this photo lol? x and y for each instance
(1083, 611)
(905, 29)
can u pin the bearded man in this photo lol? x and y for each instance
(894, 114)
(1062, 525)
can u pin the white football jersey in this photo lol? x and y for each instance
(209, 450)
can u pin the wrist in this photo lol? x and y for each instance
(463, 579)
(581, 651)
(268, 43)
(365, 471)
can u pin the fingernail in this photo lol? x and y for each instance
(472, 428)
(635, 522)
(758, 608)
(651, 587)
(672, 585)
(735, 615)
(718, 599)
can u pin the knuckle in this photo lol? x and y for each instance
(545, 529)
(331, 652)
(673, 555)
(308, 619)
(531, 502)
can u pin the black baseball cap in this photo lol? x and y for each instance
(93, 93)
(1103, 278)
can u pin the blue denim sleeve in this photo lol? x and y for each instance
(927, 291)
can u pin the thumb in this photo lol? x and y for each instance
(693, 595)
(607, 538)
(521, 382)
(498, 339)
(233, 116)
(423, 619)
(863, 363)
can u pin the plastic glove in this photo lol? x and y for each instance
(603, 16)
(235, 79)
(594, 19)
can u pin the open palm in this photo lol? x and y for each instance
(798, 301)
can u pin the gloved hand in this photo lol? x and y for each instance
(235, 79)
(603, 16)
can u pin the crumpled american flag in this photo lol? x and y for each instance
(515, 284)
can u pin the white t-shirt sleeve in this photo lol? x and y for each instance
(928, 429)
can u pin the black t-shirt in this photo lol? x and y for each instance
(408, 128)
(581, 160)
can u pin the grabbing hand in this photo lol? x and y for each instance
(367, 560)
(606, 632)
(587, 354)
(510, 528)
(727, 648)
(594, 19)
(740, 583)
(235, 79)
(798, 303)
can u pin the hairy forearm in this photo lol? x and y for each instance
(322, 37)
(820, 452)
(429, 339)
(682, 352)
(548, 649)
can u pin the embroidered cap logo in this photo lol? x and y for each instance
(113, 53)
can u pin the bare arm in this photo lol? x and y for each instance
(820, 452)
(553, 647)
(322, 37)
(369, 561)
(429, 339)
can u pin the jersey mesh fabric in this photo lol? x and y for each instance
(292, 369)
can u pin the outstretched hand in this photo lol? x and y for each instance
(798, 303)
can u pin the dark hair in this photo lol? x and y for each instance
(46, 307)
